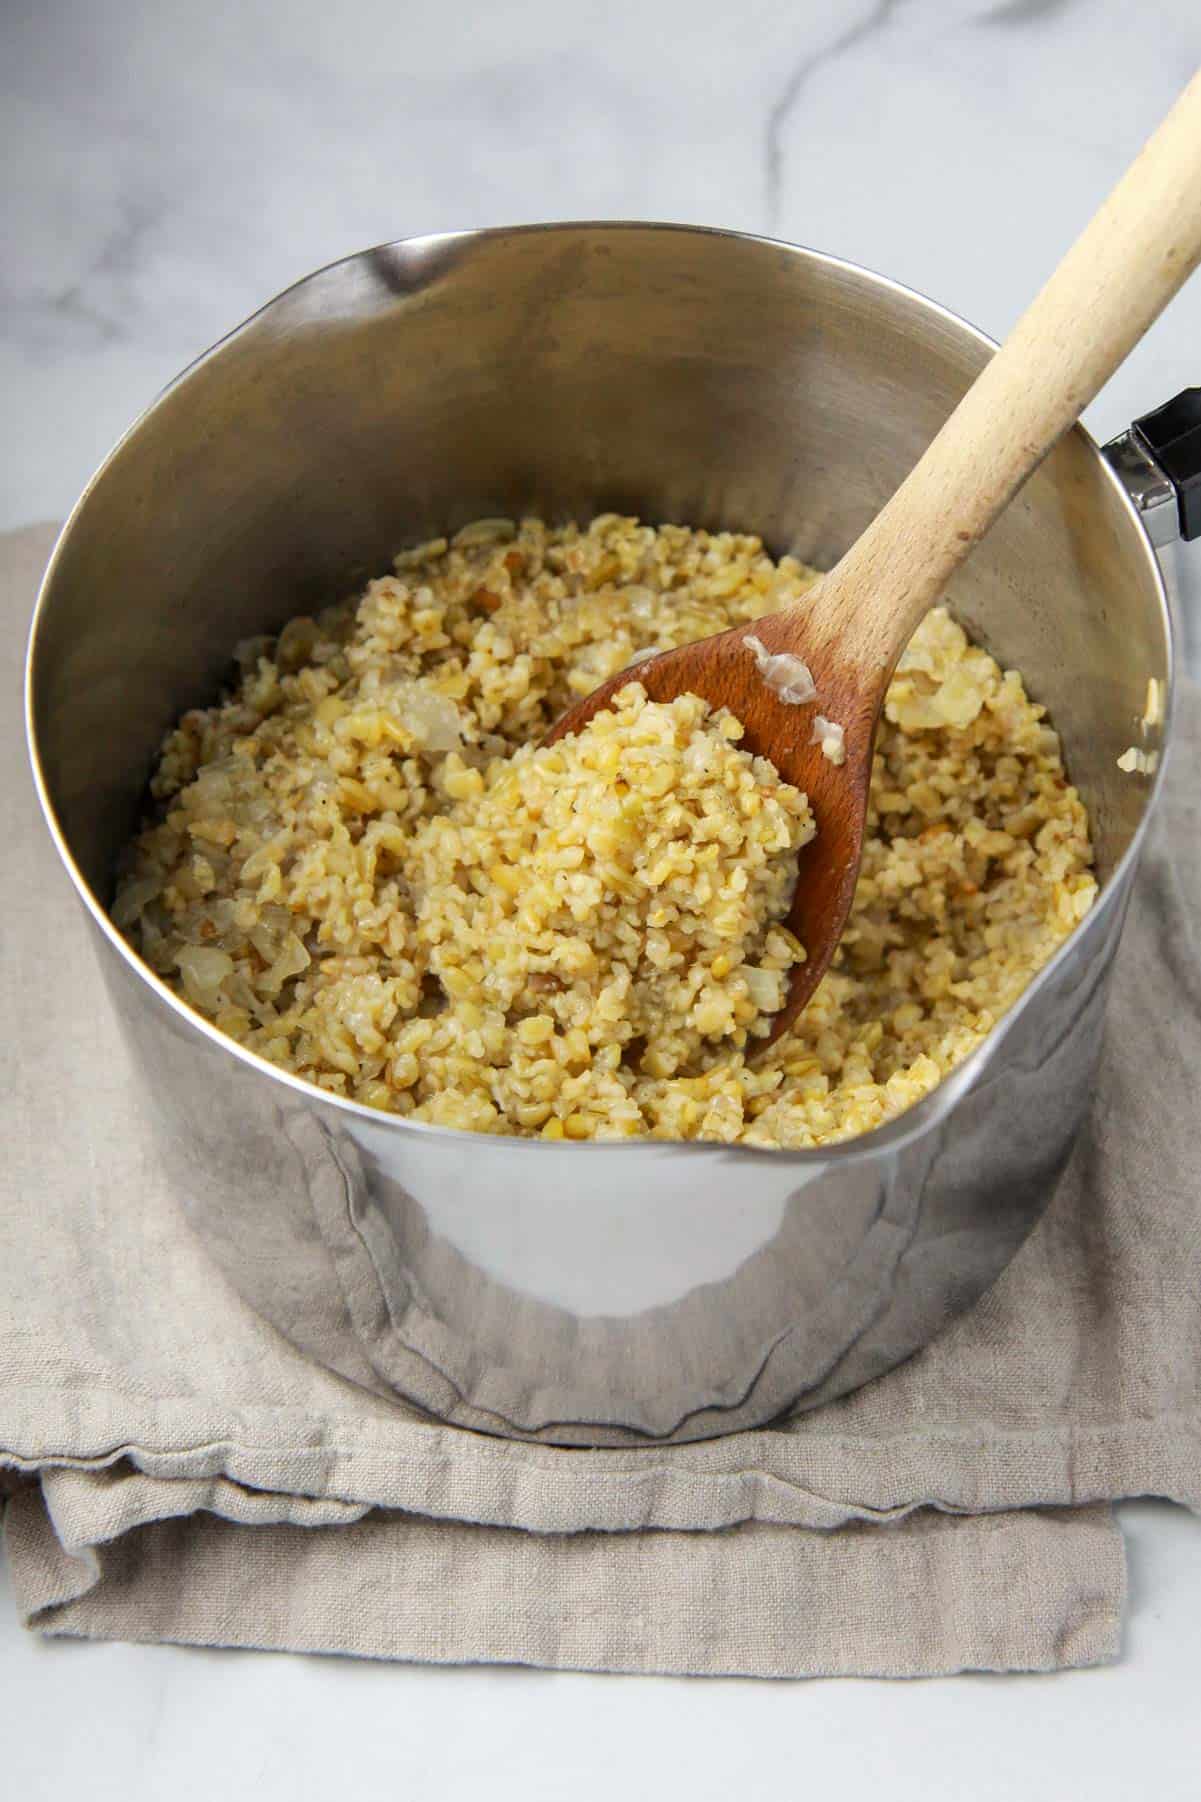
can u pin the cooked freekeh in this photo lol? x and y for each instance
(362, 867)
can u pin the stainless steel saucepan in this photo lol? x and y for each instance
(598, 1293)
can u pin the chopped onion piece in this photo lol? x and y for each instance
(1143, 763)
(1153, 705)
(133, 898)
(830, 736)
(292, 959)
(432, 718)
(203, 971)
(789, 676)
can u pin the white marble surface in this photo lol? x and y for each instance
(165, 167)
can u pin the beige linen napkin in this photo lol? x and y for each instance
(176, 1471)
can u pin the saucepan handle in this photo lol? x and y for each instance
(1158, 459)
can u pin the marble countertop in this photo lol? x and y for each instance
(165, 168)
(169, 167)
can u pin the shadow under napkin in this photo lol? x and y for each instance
(180, 1472)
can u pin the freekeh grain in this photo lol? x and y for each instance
(361, 865)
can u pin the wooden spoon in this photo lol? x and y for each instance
(852, 626)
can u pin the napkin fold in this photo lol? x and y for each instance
(172, 1469)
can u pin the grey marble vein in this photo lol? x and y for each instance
(1022, 12)
(799, 78)
(89, 299)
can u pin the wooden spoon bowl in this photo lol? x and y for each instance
(725, 672)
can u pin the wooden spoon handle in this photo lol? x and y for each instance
(1112, 284)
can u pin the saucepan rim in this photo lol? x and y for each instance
(926, 1114)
